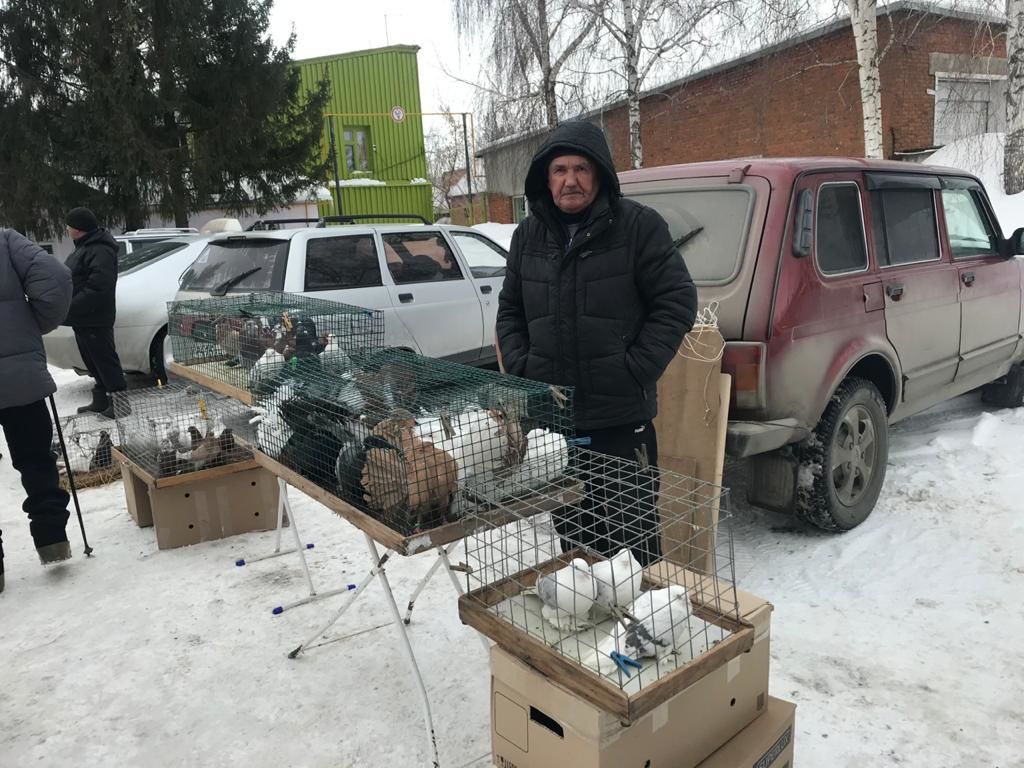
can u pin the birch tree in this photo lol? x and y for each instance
(863, 17)
(1013, 152)
(648, 33)
(531, 42)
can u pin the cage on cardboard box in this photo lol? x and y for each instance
(538, 723)
(568, 592)
(768, 742)
(200, 506)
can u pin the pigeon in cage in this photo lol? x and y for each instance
(216, 447)
(407, 476)
(333, 354)
(567, 595)
(272, 433)
(383, 390)
(619, 581)
(486, 443)
(653, 625)
(269, 363)
(102, 457)
(545, 460)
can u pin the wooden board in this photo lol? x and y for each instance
(185, 478)
(193, 373)
(416, 542)
(475, 610)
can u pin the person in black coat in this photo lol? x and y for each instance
(93, 266)
(597, 297)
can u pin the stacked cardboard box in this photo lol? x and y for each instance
(538, 724)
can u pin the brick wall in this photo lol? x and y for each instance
(496, 208)
(804, 100)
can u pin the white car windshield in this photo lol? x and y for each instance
(236, 266)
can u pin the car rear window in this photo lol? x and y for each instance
(225, 260)
(709, 225)
(145, 252)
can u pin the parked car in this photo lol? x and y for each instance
(140, 238)
(851, 294)
(147, 279)
(436, 285)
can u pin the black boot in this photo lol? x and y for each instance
(1, 565)
(100, 402)
(54, 553)
(118, 406)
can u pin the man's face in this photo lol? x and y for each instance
(573, 182)
(74, 234)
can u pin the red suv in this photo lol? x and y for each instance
(851, 294)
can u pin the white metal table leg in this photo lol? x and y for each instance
(403, 637)
(377, 570)
(282, 506)
(443, 557)
(442, 553)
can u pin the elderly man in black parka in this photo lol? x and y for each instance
(93, 266)
(597, 297)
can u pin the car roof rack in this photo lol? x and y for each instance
(162, 231)
(261, 225)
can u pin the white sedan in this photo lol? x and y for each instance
(147, 279)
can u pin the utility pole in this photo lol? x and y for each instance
(469, 171)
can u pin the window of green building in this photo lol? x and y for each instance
(356, 140)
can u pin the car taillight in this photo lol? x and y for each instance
(744, 361)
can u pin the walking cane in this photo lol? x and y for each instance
(71, 475)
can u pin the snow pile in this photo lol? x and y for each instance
(983, 156)
(499, 233)
(418, 181)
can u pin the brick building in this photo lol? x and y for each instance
(942, 75)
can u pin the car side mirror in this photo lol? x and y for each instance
(803, 230)
(1017, 243)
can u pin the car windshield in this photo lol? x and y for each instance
(146, 252)
(708, 225)
(485, 258)
(224, 261)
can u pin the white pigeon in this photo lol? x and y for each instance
(478, 446)
(568, 595)
(271, 431)
(656, 623)
(547, 456)
(334, 354)
(271, 361)
(618, 582)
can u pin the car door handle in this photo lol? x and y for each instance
(405, 298)
(894, 291)
(967, 278)
(485, 289)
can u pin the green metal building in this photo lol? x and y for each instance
(375, 115)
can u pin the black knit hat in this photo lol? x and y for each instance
(83, 219)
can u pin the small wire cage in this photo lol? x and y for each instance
(88, 439)
(631, 578)
(241, 340)
(180, 428)
(396, 434)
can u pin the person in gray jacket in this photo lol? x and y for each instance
(35, 293)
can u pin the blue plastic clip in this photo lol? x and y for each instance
(623, 662)
(579, 441)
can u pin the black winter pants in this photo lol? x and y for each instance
(29, 434)
(620, 504)
(96, 346)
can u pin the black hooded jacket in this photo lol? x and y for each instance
(93, 266)
(604, 314)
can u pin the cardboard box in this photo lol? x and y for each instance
(765, 743)
(201, 506)
(538, 724)
(692, 421)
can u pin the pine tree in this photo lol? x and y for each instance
(174, 104)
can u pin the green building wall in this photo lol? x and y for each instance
(365, 86)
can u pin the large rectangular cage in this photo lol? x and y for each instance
(182, 427)
(239, 340)
(398, 435)
(627, 587)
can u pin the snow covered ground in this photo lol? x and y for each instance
(899, 641)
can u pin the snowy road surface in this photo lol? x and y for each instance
(899, 641)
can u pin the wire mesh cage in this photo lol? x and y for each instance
(630, 580)
(396, 434)
(180, 428)
(89, 444)
(241, 340)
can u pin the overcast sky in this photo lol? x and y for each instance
(326, 28)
